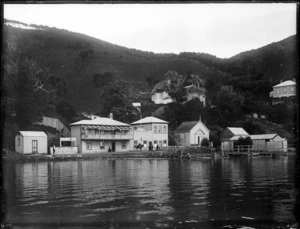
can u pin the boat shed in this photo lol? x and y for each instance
(268, 142)
(27, 142)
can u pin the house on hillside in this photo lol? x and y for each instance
(231, 134)
(27, 142)
(283, 90)
(150, 130)
(268, 142)
(191, 133)
(57, 124)
(102, 135)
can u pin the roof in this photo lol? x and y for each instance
(263, 136)
(237, 130)
(100, 121)
(149, 119)
(186, 126)
(33, 133)
(285, 83)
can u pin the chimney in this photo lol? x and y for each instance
(111, 116)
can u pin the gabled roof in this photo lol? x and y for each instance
(100, 121)
(33, 133)
(187, 126)
(263, 136)
(285, 83)
(149, 119)
(237, 131)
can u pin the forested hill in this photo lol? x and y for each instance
(76, 58)
(50, 71)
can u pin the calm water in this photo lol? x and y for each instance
(218, 193)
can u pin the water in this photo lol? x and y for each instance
(150, 193)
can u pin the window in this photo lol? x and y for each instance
(278, 91)
(102, 132)
(145, 142)
(165, 143)
(159, 129)
(292, 89)
(124, 145)
(135, 142)
(155, 142)
(284, 90)
(88, 145)
(164, 129)
(155, 129)
(102, 145)
(19, 141)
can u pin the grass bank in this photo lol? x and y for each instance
(185, 153)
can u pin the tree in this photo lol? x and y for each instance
(204, 142)
(26, 108)
(243, 141)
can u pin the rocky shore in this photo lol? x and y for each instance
(186, 153)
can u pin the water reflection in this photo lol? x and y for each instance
(150, 192)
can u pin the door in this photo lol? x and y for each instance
(199, 140)
(113, 146)
(160, 144)
(34, 146)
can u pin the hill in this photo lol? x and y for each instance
(67, 73)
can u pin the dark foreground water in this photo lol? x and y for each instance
(149, 193)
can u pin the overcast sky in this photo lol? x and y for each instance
(218, 29)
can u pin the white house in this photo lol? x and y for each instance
(27, 142)
(150, 130)
(102, 135)
(191, 133)
(286, 89)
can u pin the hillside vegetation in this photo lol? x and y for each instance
(80, 73)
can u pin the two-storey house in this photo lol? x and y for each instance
(283, 90)
(102, 135)
(150, 130)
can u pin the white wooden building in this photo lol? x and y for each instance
(191, 133)
(150, 130)
(102, 135)
(27, 142)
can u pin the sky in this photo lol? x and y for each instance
(223, 30)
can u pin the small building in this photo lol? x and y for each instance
(268, 142)
(283, 90)
(27, 142)
(102, 135)
(231, 134)
(191, 133)
(150, 130)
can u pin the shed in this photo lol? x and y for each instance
(231, 134)
(269, 142)
(191, 133)
(27, 142)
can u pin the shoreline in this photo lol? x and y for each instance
(14, 157)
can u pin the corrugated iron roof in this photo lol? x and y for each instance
(100, 127)
(100, 121)
(149, 119)
(263, 136)
(33, 133)
(238, 131)
(285, 83)
(186, 126)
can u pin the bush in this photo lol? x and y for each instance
(243, 141)
(204, 142)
